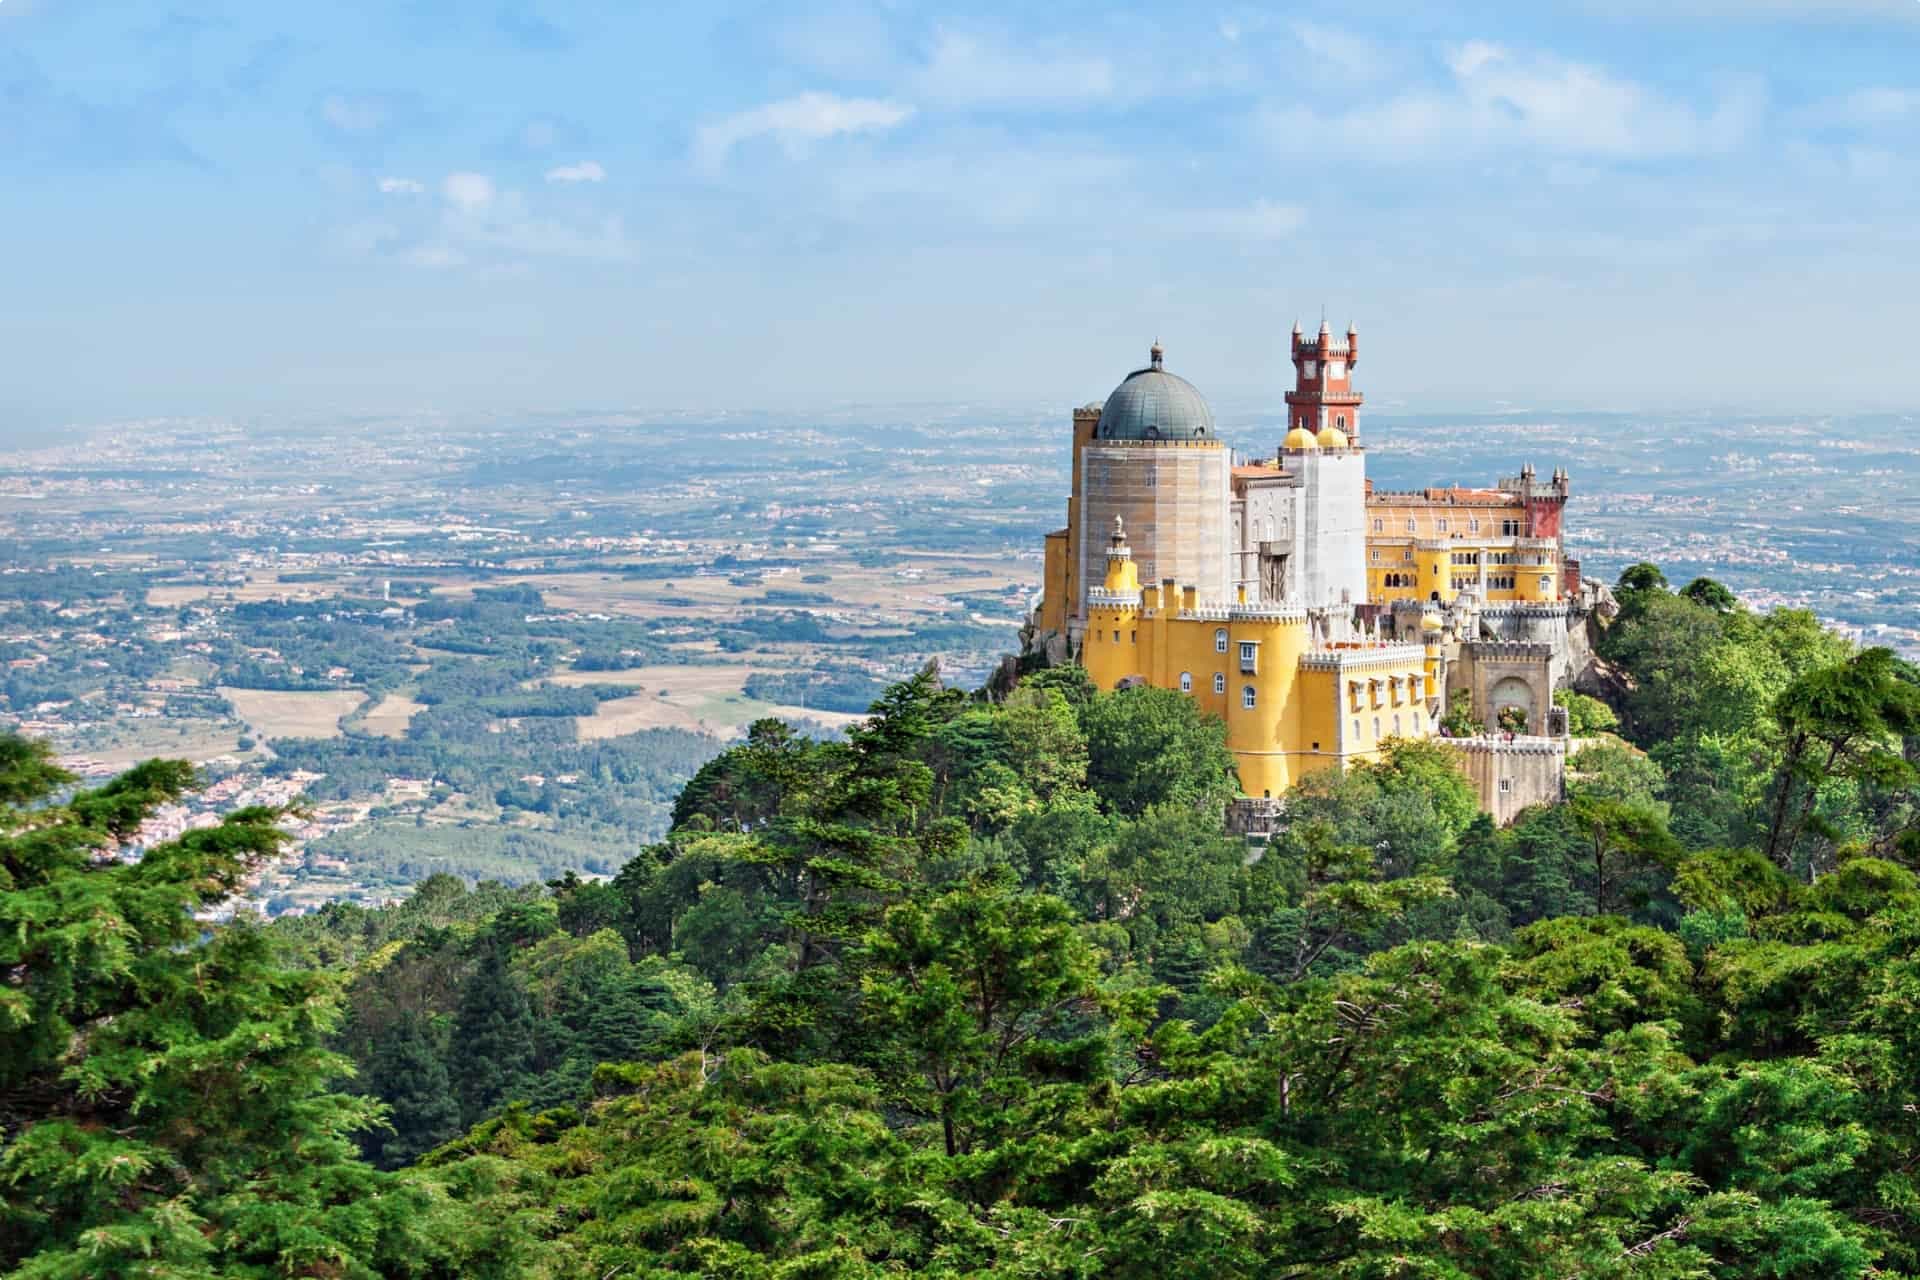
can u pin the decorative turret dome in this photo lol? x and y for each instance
(1299, 438)
(1332, 438)
(1153, 404)
(1430, 623)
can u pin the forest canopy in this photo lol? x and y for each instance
(987, 989)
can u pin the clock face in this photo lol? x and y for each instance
(1336, 368)
(1310, 369)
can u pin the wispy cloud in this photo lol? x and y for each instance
(973, 68)
(585, 171)
(468, 192)
(1499, 96)
(402, 187)
(352, 115)
(796, 122)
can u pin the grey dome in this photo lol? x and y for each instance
(1153, 404)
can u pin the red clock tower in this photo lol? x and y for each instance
(1323, 394)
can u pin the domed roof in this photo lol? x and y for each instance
(1153, 404)
(1431, 622)
(1332, 438)
(1299, 438)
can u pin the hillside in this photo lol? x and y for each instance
(985, 989)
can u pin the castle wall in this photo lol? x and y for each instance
(1330, 526)
(1511, 776)
(1174, 498)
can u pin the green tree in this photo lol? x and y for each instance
(1149, 747)
(409, 1075)
(1843, 724)
(164, 1101)
(977, 994)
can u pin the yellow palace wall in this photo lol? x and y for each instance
(1296, 723)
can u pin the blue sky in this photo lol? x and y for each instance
(236, 207)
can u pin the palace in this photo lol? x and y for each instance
(1318, 617)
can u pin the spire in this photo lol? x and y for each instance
(1156, 354)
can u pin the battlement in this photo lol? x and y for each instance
(1528, 609)
(1362, 657)
(1154, 444)
(1509, 650)
(1501, 745)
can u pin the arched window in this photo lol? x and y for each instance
(1396, 725)
(1186, 682)
(1340, 421)
(1219, 682)
(1356, 731)
(1220, 640)
(1376, 726)
(1248, 698)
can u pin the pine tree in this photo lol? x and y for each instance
(163, 1082)
(493, 1037)
(410, 1076)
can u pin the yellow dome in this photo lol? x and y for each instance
(1299, 438)
(1431, 622)
(1332, 438)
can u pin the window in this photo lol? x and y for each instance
(1473, 525)
(1356, 731)
(1220, 640)
(1376, 555)
(1219, 682)
(1133, 637)
(1376, 726)
(1546, 584)
(1153, 476)
(1396, 726)
(1186, 682)
(1441, 524)
(1379, 525)
(1506, 786)
(1407, 555)
(1411, 527)
(1116, 637)
(1509, 528)
(1416, 722)
(1248, 652)
(1341, 421)
(1248, 697)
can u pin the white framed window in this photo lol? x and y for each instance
(1376, 726)
(1396, 726)
(1441, 524)
(1219, 682)
(1220, 640)
(1186, 682)
(1379, 525)
(1546, 584)
(1376, 555)
(1407, 555)
(1153, 476)
(1248, 698)
(1340, 421)
(1506, 786)
(1473, 525)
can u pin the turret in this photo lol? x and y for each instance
(1123, 579)
(1323, 395)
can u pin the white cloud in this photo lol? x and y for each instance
(468, 192)
(968, 68)
(1500, 97)
(795, 122)
(585, 171)
(351, 115)
(1866, 108)
(1759, 10)
(401, 187)
(1263, 220)
(1341, 53)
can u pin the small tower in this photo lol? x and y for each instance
(1323, 394)
(1122, 577)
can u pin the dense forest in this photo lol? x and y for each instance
(986, 989)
